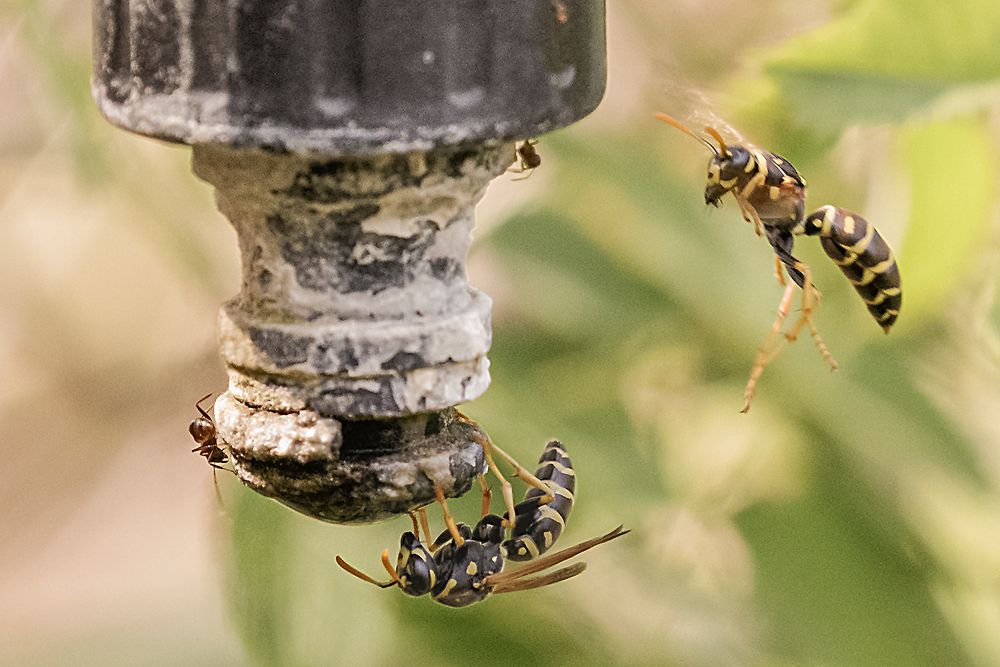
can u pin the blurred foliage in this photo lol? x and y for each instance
(791, 535)
(849, 519)
(933, 201)
(890, 60)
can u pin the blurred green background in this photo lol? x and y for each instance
(849, 519)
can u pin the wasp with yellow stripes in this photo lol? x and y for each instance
(466, 565)
(771, 195)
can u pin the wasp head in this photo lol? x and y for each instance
(727, 165)
(724, 171)
(415, 567)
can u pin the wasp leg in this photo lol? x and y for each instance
(741, 197)
(505, 487)
(448, 520)
(527, 477)
(769, 349)
(520, 472)
(506, 490)
(778, 272)
(810, 302)
(422, 514)
(416, 526)
(749, 212)
(487, 495)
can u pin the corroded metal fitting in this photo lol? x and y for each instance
(354, 306)
(348, 143)
(349, 470)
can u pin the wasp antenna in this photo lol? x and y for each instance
(361, 575)
(718, 137)
(670, 120)
(388, 566)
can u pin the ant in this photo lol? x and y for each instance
(527, 159)
(202, 430)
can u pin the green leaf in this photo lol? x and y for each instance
(953, 174)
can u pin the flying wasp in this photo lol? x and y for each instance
(465, 565)
(771, 195)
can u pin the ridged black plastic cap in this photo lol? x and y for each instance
(347, 77)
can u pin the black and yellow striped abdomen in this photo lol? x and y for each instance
(864, 257)
(537, 526)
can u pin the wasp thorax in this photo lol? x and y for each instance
(202, 430)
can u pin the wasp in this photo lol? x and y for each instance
(527, 158)
(771, 195)
(465, 565)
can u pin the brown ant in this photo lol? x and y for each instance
(202, 430)
(527, 158)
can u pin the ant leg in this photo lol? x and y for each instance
(198, 406)
(448, 520)
(218, 493)
(521, 164)
(487, 494)
(810, 302)
(769, 349)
